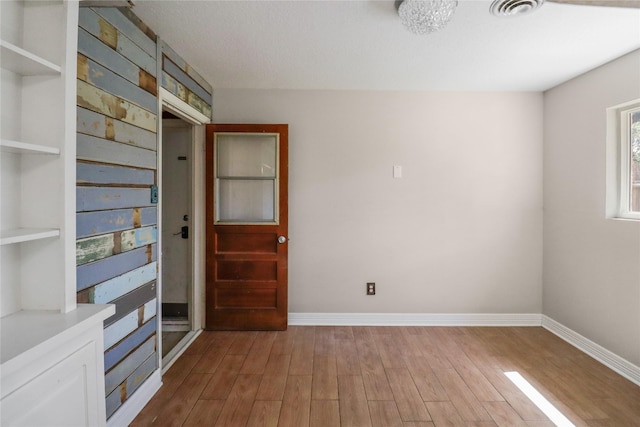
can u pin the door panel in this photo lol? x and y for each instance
(247, 212)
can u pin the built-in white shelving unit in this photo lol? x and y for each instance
(51, 346)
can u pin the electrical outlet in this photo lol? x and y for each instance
(371, 288)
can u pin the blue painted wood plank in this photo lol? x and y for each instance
(135, 54)
(93, 48)
(112, 289)
(103, 198)
(105, 79)
(128, 28)
(91, 274)
(138, 298)
(148, 216)
(102, 222)
(110, 35)
(123, 327)
(177, 59)
(118, 352)
(105, 151)
(173, 70)
(126, 367)
(180, 90)
(93, 173)
(101, 126)
(127, 388)
(131, 239)
(149, 310)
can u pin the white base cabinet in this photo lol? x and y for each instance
(52, 371)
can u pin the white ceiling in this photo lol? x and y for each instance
(353, 44)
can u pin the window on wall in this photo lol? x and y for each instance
(623, 161)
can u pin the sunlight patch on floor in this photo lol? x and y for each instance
(539, 400)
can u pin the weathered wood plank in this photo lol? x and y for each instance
(93, 48)
(128, 29)
(179, 90)
(94, 173)
(135, 54)
(101, 126)
(119, 373)
(120, 329)
(116, 353)
(113, 106)
(96, 272)
(101, 150)
(117, 397)
(101, 222)
(94, 248)
(103, 198)
(177, 59)
(98, 27)
(148, 311)
(173, 70)
(112, 289)
(132, 239)
(101, 77)
(148, 216)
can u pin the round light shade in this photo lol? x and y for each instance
(426, 16)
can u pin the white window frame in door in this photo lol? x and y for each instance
(169, 102)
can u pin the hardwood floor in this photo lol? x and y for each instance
(386, 376)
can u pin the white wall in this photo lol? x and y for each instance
(591, 264)
(461, 232)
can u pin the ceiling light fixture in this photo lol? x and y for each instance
(426, 16)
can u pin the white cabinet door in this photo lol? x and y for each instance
(63, 395)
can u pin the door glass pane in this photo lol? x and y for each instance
(246, 155)
(245, 200)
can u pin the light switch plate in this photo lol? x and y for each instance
(397, 171)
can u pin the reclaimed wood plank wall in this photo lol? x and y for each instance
(179, 78)
(116, 249)
(119, 58)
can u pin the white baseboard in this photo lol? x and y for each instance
(413, 319)
(132, 407)
(601, 354)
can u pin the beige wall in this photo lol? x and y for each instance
(591, 264)
(461, 232)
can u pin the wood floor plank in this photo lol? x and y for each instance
(302, 353)
(361, 376)
(272, 387)
(264, 413)
(462, 397)
(384, 413)
(177, 409)
(210, 360)
(296, 403)
(238, 405)
(347, 360)
(503, 414)
(204, 413)
(325, 377)
(406, 395)
(354, 410)
(324, 413)
(223, 379)
(243, 342)
(258, 356)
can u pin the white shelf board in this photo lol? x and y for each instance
(26, 330)
(25, 63)
(19, 235)
(18, 147)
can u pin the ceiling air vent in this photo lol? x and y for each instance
(514, 7)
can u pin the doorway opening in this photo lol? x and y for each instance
(181, 273)
(176, 216)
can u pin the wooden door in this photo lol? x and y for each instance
(247, 220)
